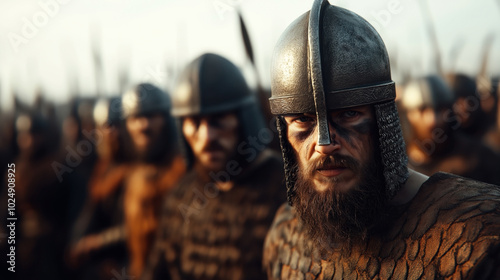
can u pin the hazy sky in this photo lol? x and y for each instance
(47, 43)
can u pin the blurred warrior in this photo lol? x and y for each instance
(357, 211)
(492, 138)
(215, 221)
(41, 217)
(80, 153)
(470, 106)
(98, 244)
(157, 166)
(8, 147)
(436, 142)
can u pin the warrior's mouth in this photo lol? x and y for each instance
(331, 170)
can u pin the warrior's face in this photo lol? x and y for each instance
(336, 166)
(146, 132)
(340, 187)
(425, 121)
(212, 138)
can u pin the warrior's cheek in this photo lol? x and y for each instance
(300, 135)
(342, 132)
(365, 127)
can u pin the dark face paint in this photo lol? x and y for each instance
(363, 128)
(301, 135)
(342, 132)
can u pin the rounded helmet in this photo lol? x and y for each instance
(331, 58)
(31, 123)
(145, 98)
(211, 84)
(474, 120)
(107, 111)
(429, 91)
(462, 85)
(35, 123)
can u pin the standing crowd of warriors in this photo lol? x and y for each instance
(188, 184)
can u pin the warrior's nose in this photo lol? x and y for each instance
(329, 148)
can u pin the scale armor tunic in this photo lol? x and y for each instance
(210, 235)
(450, 230)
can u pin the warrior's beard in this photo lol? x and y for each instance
(333, 218)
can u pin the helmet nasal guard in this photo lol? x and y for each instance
(331, 58)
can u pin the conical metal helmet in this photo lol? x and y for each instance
(331, 58)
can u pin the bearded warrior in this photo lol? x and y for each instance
(355, 210)
(98, 236)
(216, 219)
(156, 168)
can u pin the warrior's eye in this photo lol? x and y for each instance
(349, 114)
(303, 119)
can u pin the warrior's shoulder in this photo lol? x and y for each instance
(282, 219)
(446, 199)
(450, 191)
(285, 216)
(457, 222)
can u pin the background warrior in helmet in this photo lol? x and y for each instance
(157, 166)
(357, 211)
(492, 138)
(40, 197)
(216, 219)
(469, 105)
(434, 142)
(98, 237)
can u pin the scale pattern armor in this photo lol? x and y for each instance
(219, 235)
(450, 230)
